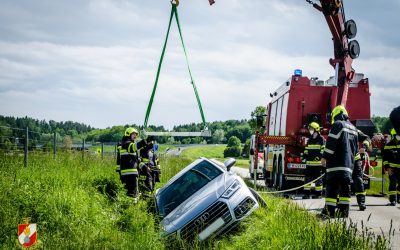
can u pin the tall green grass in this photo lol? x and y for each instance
(80, 204)
(283, 225)
(77, 204)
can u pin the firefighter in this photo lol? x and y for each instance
(145, 166)
(312, 156)
(338, 157)
(358, 171)
(129, 161)
(155, 164)
(395, 118)
(391, 163)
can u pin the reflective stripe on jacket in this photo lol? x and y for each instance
(391, 154)
(313, 151)
(340, 150)
(129, 157)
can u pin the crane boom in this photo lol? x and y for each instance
(344, 51)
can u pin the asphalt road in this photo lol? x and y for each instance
(378, 217)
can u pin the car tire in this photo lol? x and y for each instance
(258, 197)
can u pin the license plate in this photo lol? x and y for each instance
(298, 166)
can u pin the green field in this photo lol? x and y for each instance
(209, 151)
(212, 151)
(80, 204)
(376, 186)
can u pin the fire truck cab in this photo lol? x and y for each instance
(294, 105)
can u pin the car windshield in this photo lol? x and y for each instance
(185, 186)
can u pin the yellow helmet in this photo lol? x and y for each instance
(393, 132)
(130, 130)
(337, 111)
(366, 143)
(315, 126)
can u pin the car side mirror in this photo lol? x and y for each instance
(251, 151)
(229, 163)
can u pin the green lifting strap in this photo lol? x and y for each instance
(173, 12)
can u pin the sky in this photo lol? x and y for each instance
(95, 61)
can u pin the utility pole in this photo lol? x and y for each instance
(54, 146)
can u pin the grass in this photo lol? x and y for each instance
(283, 225)
(80, 204)
(376, 186)
(212, 151)
(77, 204)
(209, 151)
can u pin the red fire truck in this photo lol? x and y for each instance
(302, 100)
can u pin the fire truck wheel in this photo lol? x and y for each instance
(274, 174)
(279, 176)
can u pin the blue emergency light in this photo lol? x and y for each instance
(298, 72)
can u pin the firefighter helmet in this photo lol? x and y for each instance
(130, 130)
(337, 111)
(315, 126)
(393, 132)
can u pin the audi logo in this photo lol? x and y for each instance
(202, 219)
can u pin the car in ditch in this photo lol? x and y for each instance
(204, 200)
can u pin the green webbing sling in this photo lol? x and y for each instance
(173, 11)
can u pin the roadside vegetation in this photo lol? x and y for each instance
(80, 204)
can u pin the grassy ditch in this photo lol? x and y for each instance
(77, 204)
(80, 204)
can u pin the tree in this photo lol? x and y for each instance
(259, 111)
(218, 136)
(246, 148)
(233, 148)
(233, 142)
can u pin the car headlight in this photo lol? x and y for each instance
(231, 189)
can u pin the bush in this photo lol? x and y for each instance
(232, 152)
(233, 142)
(246, 148)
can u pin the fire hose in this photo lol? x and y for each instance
(296, 188)
(292, 189)
(369, 166)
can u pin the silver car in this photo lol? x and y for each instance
(204, 199)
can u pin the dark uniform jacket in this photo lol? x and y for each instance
(313, 151)
(391, 154)
(129, 157)
(340, 150)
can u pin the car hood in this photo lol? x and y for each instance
(197, 203)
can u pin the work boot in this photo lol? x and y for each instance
(327, 212)
(362, 206)
(343, 211)
(392, 203)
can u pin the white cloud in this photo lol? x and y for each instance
(99, 66)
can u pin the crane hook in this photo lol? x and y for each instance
(175, 2)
